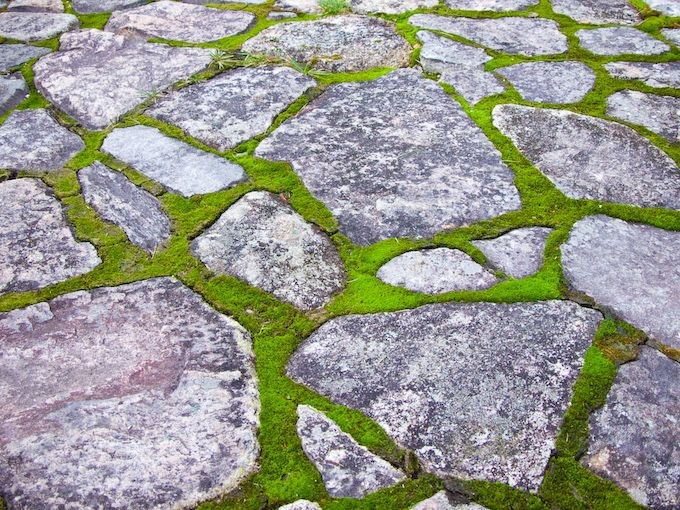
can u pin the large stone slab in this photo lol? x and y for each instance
(37, 246)
(394, 157)
(550, 82)
(306, 6)
(35, 26)
(522, 36)
(660, 114)
(181, 22)
(390, 6)
(634, 437)
(491, 5)
(665, 74)
(36, 6)
(336, 43)
(590, 158)
(620, 41)
(92, 6)
(519, 253)
(597, 11)
(630, 269)
(265, 242)
(667, 7)
(13, 55)
(138, 396)
(178, 166)
(475, 390)
(13, 90)
(97, 76)
(234, 106)
(441, 501)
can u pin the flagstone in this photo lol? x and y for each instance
(620, 41)
(13, 90)
(660, 114)
(657, 75)
(13, 55)
(519, 253)
(598, 11)
(550, 82)
(35, 26)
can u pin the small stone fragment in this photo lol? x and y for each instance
(660, 114)
(306, 6)
(390, 6)
(348, 469)
(491, 5)
(441, 501)
(301, 504)
(277, 16)
(249, 2)
(666, 7)
(620, 41)
(13, 90)
(672, 34)
(665, 74)
(597, 11)
(94, 6)
(35, 26)
(13, 55)
(36, 6)
(550, 82)
(519, 253)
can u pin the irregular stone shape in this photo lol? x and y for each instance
(634, 437)
(13, 90)
(620, 41)
(301, 504)
(335, 44)
(265, 242)
(667, 7)
(666, 74)
(394, 157)
(35, 26)
(597, 11)
(234, 106)
(348, 469)
(436, 271)
(36, 245)
(117, 200)
(522, 36)
(475, 390)
(13, 55)
(97, 76)
(660, 114)
(519, 253)
(491, 5)
(306, 6)
(629, 268)
(36, 5)
(33, 140)
(175, 164)
(550, 82)
(441, 501)
(182, 22)
(672, 34)
(250, 2)
(93, 6)
(277, 16)
(591, 158)
(390, 6)
(144, 384)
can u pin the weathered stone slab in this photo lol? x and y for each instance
(13, 55)
(590, 158)
(250, 2)
(13, 90)
(519, 253)
(301, 504)
(92, 6)
(306, 6)
(630, 269)
(597, 11)
(436, 271)
(491, 5)
(36, 245)
(348, 469)
(177, 165)
(33, 140)
(97, 76)
(441, 501)
(522, 36)
(234, 106)
(278, 16)
(390, 6)
(36, 6)
(264, 242)
(666, 74)
(660, 114)
(181, 22)
(550, 82)
(144, 384)
(672, 34)
(394, 157)
(476, 390)
(35, 26)
(634, 437)
(336, 43)
(667, 7)
(620, 41)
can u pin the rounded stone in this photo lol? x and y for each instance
(620, 41)
(35, 26)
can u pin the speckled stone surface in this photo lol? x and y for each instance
(441, 501)
(550, 82)
(491, 5)
(301, 504)
(597, 11)
(666, 74)
(153, 403)
(634, 437)
(660, 114)
(13, 55)
(35, 26)
(13, 90)
(667, 7)
(672, 34)
(306, 6)
(519, 253)
(92, 6)
(263, 241)
(36, 5)
(620, 41)
(390, 6)
(278, 16)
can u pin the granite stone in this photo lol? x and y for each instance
(519, 253)
(36, 6)
(442, 501)
(390, 6)
(597, 11)
(550, 82)
(13, 55)
(672, 34)
(94, 6)
(306, 6)
(491, 5)
(664, 74)
(666, 7)
(35, 26)
(13, 90)
(301, 504)
(620, 41)
(660, 114)
(278, 16)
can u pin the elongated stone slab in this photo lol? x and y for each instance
(93, 6)
(306, 6)
(519, 253)
(672, 34)
(35, 26)
(550, 82)
(620, 41)
(597, 11)
(667, 7)
(390, 6)
(441, 501)
(665, 74)
(36, 6)
(301, 504)
(13, 55)
(491, 5)
(13, 90)
(660, 114)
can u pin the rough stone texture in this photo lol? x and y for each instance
(336, 43)
(620, 41)
(97, 76)
(660, 114)
(262, 240)
(634, 437)
(667, 7)
(660, 75)
(550, 82)
(522, 36)
(33, 140)
(491, 5)
(13, 55)
(306, 6)
(390, 6)
(441, 501)
(629, 268)
(597, 11)
(36, 5)
(672, 34)
(13, 90)
(251, 2)
(301, 504)
(394, 157)
(92, 6)
(587, 157)
(37, 247)
(519, 253)
(119, 201)
(476, 390)
(35, 26)
(436, 271)
(181, 22)
(153, 402)
(177, 165)
(234, 106)
(278, 16)
(348, 469)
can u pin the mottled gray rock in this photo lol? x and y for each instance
(519, 253)
(597, 11)
(394, 157)
(250, 2)
(306, 6)
(35, 26)
(178, 166)
(13, 55)
(138, 396)
(620, 41)
(234, 106)
(491, 5)
(36, 245)
(441, 501)
(13, 90)
(390, 6)
(92, 6)
(672, 34)
(264, 242)
(119, 201)
(550, 82)
(97, 76)
(660, 114)
(476, 390)
(36, 5)
(665, 74)
(348, 469)
(667, 7)
(33, 140)
(277, 16)
(634, 437)
(436, 271)
(523, 36)
(301, 504)
(590, 158)
(181, 22)
(631, 269)
(336, 43)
